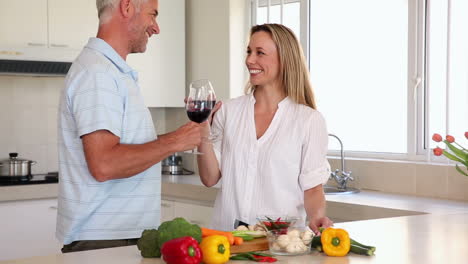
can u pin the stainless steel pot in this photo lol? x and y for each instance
(172, 165)
(15, 166)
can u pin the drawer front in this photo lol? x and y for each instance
(194, 213)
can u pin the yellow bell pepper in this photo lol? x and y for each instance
(335, 242)
(215, 249)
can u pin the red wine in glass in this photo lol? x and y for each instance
(201, 110)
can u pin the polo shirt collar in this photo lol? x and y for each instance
(105, 49)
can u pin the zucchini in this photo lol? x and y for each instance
(356, 247)
(315, 242)
(361, 250)
(354, 242)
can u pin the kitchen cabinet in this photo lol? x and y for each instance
(28, 228)
(23, 23)
(47, 23)
(194, 213)
(161, 69)
(167, 210)
(71, 23)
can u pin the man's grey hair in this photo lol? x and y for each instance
(105, 8)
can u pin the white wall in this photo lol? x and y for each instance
(216, 43)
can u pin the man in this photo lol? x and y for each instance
(109, 154)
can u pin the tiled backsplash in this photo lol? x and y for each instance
(28, 114)
(28, 119)
(421, 179)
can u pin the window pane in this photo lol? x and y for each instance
(291, 18)
(291, 14)
(262, 16)
(457, 67)
(358, 65)
(437, 70)
(458, 94)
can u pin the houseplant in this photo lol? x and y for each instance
(456, 153)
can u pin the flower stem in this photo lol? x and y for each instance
(460, 146)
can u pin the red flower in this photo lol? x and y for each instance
(436, 137)
(438, 151)
(466, 135)
(450, 139)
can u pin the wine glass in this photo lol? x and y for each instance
(201, 100)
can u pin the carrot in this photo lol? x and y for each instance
(238, 240)
(210, 232)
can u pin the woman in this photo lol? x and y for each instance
(271, 144)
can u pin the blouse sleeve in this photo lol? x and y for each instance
(315, 168)
(217, 131)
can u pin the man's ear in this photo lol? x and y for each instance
(126, 8)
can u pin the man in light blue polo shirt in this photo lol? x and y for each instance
(109, 154)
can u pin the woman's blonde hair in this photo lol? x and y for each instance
(293, 72)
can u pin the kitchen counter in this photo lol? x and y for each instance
(429, 238)
(189, 188)
(28, 192)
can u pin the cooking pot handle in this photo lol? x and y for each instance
(33, 162)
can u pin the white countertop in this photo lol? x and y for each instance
(428, 239)
(365, 197)
(28, 192)
(179, 186)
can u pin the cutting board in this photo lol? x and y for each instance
(257, 244)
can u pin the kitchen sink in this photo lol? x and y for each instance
(336, 190)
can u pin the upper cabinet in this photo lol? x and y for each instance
(161, 69)
(23, 23)
(66, 25)
(47, 23)
(72, 23)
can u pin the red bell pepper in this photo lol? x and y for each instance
(182, 250)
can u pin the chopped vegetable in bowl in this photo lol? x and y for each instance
(276, 222)
(292, 242)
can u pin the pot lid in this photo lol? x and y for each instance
(14, 159)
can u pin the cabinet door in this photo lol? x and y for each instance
(28, 229)
(194, 213)
(167, 210)
(161, 69)
(27, 29)
(72, 23)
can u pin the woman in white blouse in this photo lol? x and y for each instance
(270, 149)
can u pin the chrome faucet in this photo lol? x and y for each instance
(341, 177)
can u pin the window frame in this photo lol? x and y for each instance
(418, 137)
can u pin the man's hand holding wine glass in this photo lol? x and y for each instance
(186, 137)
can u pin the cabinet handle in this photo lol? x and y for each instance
(33, 44)
(165, 205)
(196, 222)
(59, 45)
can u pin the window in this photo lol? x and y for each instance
(358, 65)
(286, 12)
(447, 66)
(387, 73)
